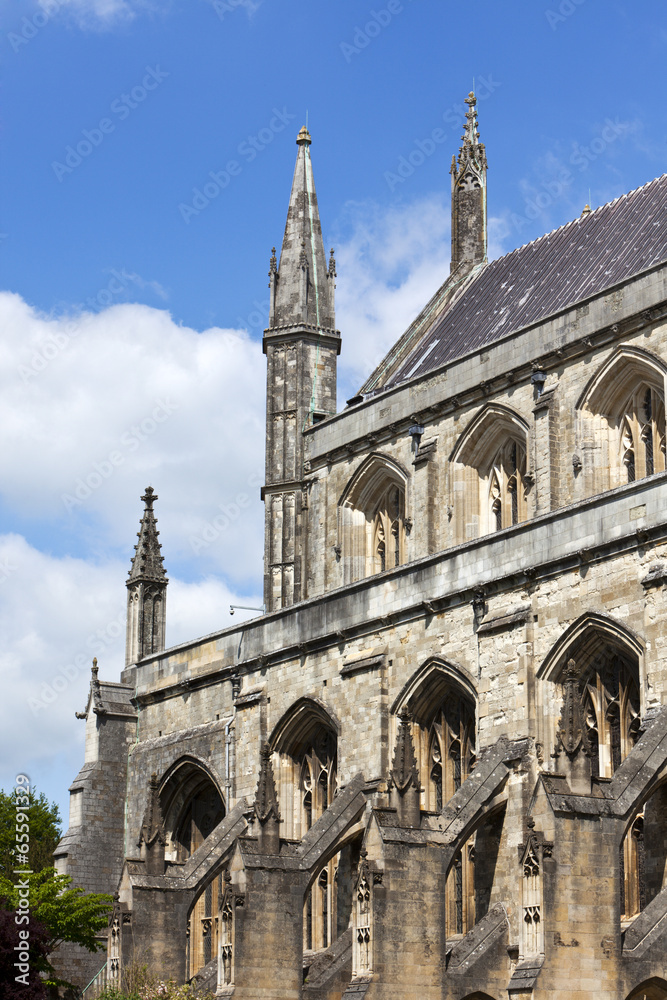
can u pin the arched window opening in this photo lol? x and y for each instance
(200, 817)
(372, 521)
(506, 498)
(610, 696)
(490, 481)
(443, 729)
(389, 530)
(207, 931)
(451, 750)
(643, 856)
(621, 421)
(652, 989)
(305, 742)
(192, 808)
(642, 433)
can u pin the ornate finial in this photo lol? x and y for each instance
(332, 264)
(404, 773)
(586, 211)
(147, 561)
(152, 828)
(273, 263)
(571, 734)
(266, 800)
(303, 138)
(95, 689)
(303, 260)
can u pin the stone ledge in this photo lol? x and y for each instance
(508, 621)
(374, 662)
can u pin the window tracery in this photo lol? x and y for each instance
(372, 520)
(642, 438)
(506, 499)
(611, 713)
(444, 738)
(489, 475)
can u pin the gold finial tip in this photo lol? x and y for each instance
(587, 210)
(303, 138)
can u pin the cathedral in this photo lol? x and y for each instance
(435, 766)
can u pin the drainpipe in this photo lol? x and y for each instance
(228, 742)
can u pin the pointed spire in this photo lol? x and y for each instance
(404, 775)
(146, 590)
(571, 734)
(469, 228)
(152, 828)
(404, 771)
(266, 805)
(147, 561)
(152, 838)
(266, 799)
(571, 737)
(302, 287)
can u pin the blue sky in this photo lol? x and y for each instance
(131, 324)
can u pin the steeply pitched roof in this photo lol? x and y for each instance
(581, 259)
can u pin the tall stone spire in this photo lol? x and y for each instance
(301, 346)
(302, 287)
(147, 590)
(469, 228)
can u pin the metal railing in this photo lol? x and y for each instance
(96, 985)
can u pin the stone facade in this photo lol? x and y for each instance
(437, 765)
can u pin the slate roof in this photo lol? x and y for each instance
(581, 259)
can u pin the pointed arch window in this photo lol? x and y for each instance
(642, 433)
(506, 497)
(621, 421)
(444, 738)
(373, 526)
(611, 712)
(389, 530)
(451, 750)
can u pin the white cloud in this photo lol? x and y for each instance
(388, 269)
(55, 615)
(96, 407)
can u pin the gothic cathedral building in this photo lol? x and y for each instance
(436, 766)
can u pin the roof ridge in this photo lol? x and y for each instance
(571, 222)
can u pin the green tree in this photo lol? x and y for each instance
(68, 913)
(44, 833)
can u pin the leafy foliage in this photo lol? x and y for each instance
(66, 913)
(139, 983)
(45, 831)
